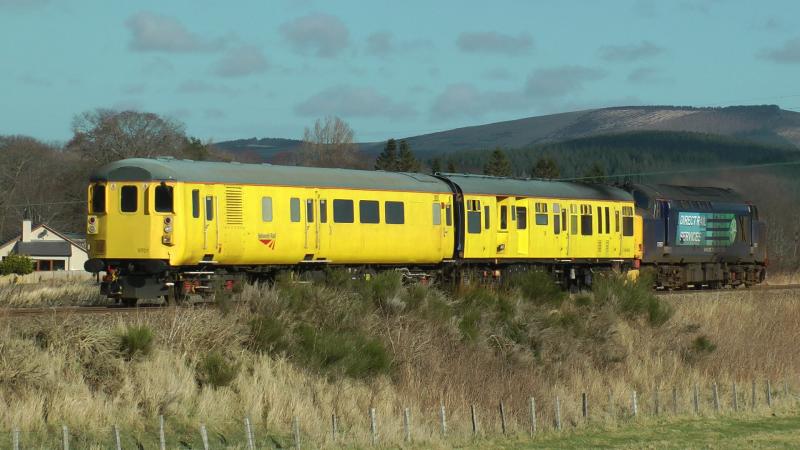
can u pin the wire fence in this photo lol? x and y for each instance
(533, 418)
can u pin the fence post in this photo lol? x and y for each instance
(657, 403)
(117, 440)
(204, 436)
(558, 414)
(406, 425)
(65, 433)
(635, 404)
(161, 438)
(674, 400)
(443, 419)
(533, 416)
(735, 399)
(373, 427)
(296, 432)
(249, 431)
(753, 401)
(16, 438)
(716, 397)
(474, 420)
(769, 394)
(696, 400)
(335, 426)
(584, 406)
(503, 416)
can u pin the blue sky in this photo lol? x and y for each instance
(241, 69)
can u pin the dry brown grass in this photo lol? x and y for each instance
(26, 292)
(69, 370)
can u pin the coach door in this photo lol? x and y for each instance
(312, 225)
(522, 226)
(210, 225)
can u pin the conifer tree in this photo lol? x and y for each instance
(387, 160)
(406, 162)
(595, 174)
(498, 164)
(436, 165)
(546, 167)
(451, 166)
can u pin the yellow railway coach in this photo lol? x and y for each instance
(166, 227)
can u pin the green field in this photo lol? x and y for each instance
(782, 431)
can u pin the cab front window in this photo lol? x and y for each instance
(98, 198)
(164, 198)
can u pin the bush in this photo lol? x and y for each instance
(469, 325)
(702, 344)
(631, 297)
(266, 334)
(344, 351)
(16, 264)
(537, 287)
(215, 371)
(381, 290)
(136, 341)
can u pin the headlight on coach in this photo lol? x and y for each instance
(92, 227)
(166, 239)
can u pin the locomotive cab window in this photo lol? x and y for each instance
(437, 213)
(128, 199)
(99, 198)
(448, 217)
(343, 211)
(266, 209)
(368, 211)
(394, 213)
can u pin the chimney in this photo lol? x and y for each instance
(26, 230)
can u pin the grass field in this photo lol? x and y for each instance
(707, 433)
(305, 351)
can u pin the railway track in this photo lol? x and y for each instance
(111, 309)
(757, 288)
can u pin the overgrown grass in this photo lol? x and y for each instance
(306, 350)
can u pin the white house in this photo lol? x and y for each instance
(50, 249)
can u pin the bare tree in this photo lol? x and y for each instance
(329, 144)
(105, 135)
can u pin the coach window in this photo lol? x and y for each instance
(608, 221)
(394, 213)
(473, 216)
(195, 203)
(323, 211)
(541, 213)
(266, 209)
(627, 221)
(294, 209)
(448, 216)
(164, 198)
(503, 217)
(343, 211)
(616, 221)
(599, 220)
(556, 218)
(563, 219)
(437, 213)
(128, 199)
(209, 208)
(586, 220)
(486, 218)
(99, 198)
(368, 211)
(309, 210)
(522, 217)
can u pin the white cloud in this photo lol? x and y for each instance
(241, 61)
(155, 32)
(323, 35)
(350, 101)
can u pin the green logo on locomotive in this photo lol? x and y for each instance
(700, 229)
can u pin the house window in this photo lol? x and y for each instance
(128, 199)
(164, 198)
(99, 198)
(368, 211)
(343, 211)
(394, 213)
